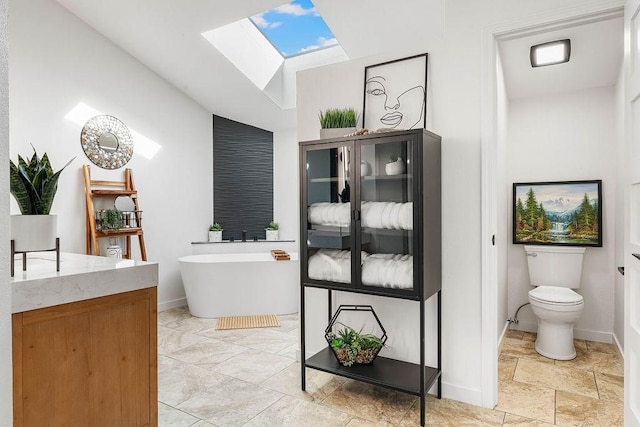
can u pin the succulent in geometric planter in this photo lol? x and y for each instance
(350, 346)
(33, 184)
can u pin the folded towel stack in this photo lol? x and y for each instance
(389, 215)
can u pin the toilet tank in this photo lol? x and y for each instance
(559, 266)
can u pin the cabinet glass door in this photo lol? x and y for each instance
(329, 214)
(386, 215)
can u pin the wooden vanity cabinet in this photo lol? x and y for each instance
(87, 363)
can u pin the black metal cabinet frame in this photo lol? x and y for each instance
(425, 185)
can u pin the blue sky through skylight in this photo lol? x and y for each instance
(295, 28)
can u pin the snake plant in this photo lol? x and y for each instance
(34, 184)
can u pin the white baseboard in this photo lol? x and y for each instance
(581, 334)
(617, 343)
(462, 394)
(168, 305)
(502, 335)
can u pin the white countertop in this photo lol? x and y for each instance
(81, 277)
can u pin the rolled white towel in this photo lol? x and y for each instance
(332, 265)
(326, 213)
(388, 270)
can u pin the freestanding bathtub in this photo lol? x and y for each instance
(221, 285)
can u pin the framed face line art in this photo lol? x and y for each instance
(395, 94)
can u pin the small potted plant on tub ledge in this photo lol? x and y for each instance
(215, 232)
(272, 231)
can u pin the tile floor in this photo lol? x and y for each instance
(250, 377)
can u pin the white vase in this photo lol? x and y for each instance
(395, 168)
(215, 236)
(114, 251)
(34, 232)
(364, 168)
(272, 234)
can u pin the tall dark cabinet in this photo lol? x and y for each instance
(370, 223)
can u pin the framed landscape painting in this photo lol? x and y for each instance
(567, 213)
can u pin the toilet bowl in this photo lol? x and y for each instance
(556, 309)
(555, 272)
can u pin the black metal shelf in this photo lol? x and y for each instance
(385, 372)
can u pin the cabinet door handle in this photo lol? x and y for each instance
(355, 215)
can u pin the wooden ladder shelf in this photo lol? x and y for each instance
(113, 190)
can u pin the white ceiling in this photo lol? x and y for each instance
(596, 60)
(166, 36)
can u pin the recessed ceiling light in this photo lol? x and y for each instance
(550, 53)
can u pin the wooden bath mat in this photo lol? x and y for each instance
(246, 322)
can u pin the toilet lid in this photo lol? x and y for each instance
(555, 295)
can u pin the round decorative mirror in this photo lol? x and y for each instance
(107, 142)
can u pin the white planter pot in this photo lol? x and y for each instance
(395, 168)
(34, 232)
(272, 234)
(215, 236)
(335, 132)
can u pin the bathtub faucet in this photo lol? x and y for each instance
(244, 235)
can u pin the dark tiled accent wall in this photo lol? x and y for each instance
(242, 178)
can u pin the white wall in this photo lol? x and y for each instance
(454, 113)
(285, 184)
(6, 407)
(567, 137)
(58, 61)
(618, 302)
(502, 234)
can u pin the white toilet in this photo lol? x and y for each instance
(555, 271)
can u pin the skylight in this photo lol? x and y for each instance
(295, 28)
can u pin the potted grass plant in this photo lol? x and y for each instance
(337, 122)
(34, 184)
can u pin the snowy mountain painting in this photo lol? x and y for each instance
(560, 213)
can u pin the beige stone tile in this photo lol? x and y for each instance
(170, 340)
(168, 416)
(370, 402)
(318, 384)
(359, 422)
(269, 340)
(228, 335)
(602, 347)
(522, 348)
(208, 353)
(511, 420)
(576, 410)
(231, 404)
(173, 315)
(203, 423)
(291, 352)
(290, 411)
(529, 336)
(184, 322)
(556, 377)
(610, 387)
(451, 413)
(179, 381)
(506, 367)
(253, 366)
(516, 335)
(580, 344)
(526, 400)
(606, 363)
(289, 322)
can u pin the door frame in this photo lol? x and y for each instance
(591, 11)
